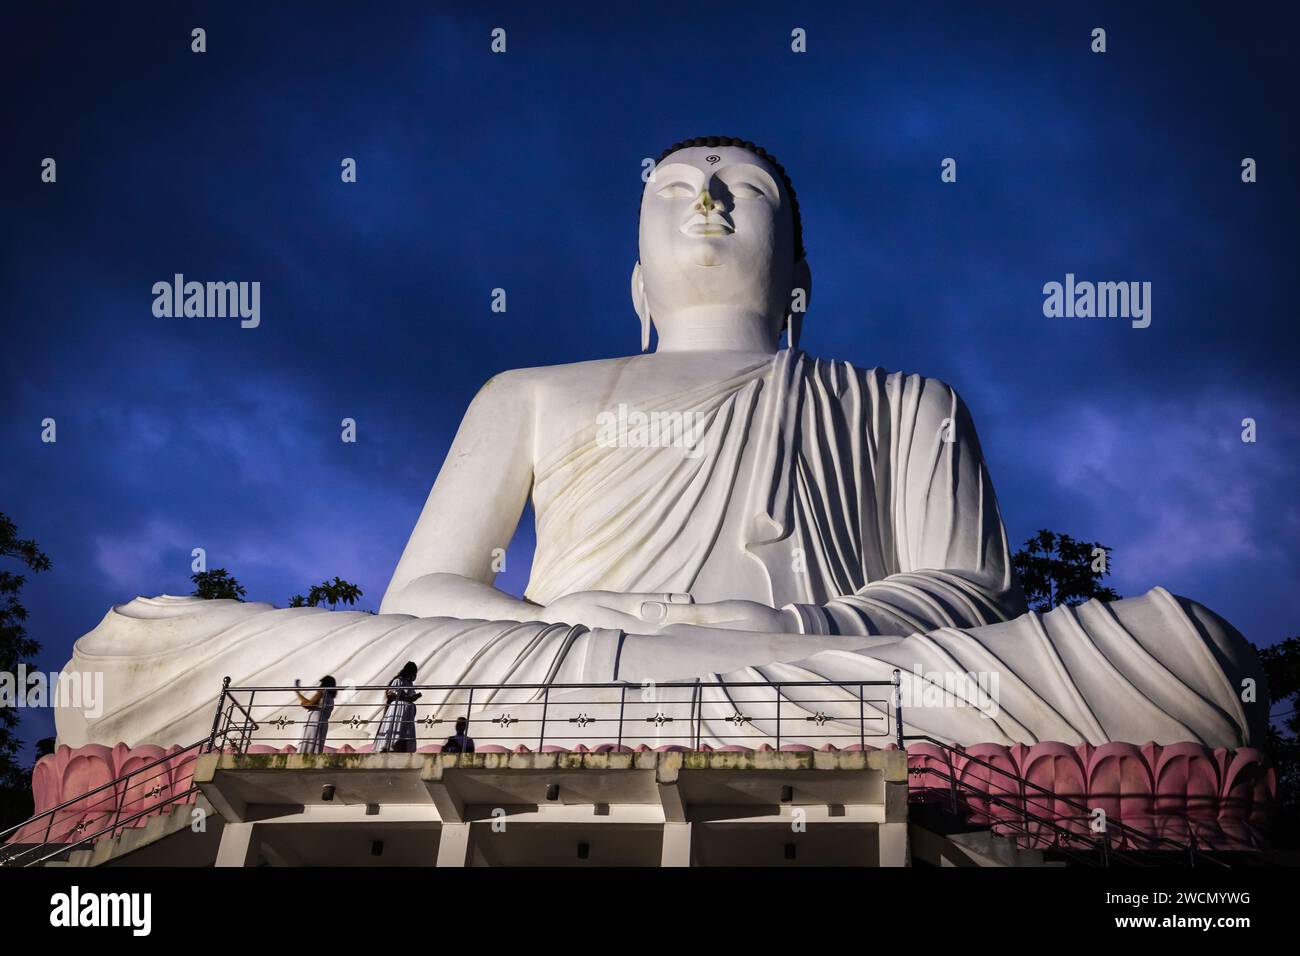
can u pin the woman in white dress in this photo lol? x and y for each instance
(319, 706)
(397, 728)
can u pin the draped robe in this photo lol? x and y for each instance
(857, 499)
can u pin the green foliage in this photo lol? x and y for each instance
(1282, 668)
(220, 583)
(1054, 569)
(333, 593)
(215, 584)
(15, 648)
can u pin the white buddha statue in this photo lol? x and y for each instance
(812, 521)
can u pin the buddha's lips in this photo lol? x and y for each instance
(707, 228)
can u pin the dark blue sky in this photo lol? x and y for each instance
(522, 171)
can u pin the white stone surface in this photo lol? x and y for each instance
(814, 521)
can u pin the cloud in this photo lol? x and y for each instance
(479, 171)
(132, 559)
(1172, 486)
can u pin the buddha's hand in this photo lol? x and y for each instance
(725, 615)
(612, 609)
(649, 613)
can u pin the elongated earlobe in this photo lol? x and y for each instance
(642, 309)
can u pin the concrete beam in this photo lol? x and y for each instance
(356, 813)
(667, 778)
(454, 845)
(893, 844)
(231, 809)
(614, 814)
(677, 845)
(448, 803)
(896, 801)
(239, 845)
(814, 813)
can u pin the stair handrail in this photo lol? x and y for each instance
(113, 784)
(1138, 835)
(91, 838)
(1099, 843)
(1045, 821)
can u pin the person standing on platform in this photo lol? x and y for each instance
(319, 706)
(397, 728)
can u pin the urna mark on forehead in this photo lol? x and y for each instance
(706, 161)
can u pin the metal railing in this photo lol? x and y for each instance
(687, 715)
(1030, 805)
(680, 714)
(105, 810)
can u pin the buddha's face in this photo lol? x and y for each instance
(716, 229)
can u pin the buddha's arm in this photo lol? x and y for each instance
(683, 652)
(471, 514)
(950, 547)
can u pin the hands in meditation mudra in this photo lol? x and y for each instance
(825, 523)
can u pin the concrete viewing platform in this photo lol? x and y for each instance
(650, 808)
(726, 805)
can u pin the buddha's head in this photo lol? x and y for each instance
(720, 241)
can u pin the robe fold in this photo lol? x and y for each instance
(859, 500)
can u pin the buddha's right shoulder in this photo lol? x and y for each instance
(521, 383)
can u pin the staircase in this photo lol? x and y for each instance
(134, 808)
(174, 819)
(1010, 821)
(934, 842)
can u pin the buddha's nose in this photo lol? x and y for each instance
(704, 203)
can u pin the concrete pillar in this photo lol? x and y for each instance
(453, 845)
(677, 845)
(668, 768)
(893, 844)
(239, 845)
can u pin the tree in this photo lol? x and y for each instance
(333, 593)
(1054, 569)
(16, 648)
(215, 584)
(1282, 669)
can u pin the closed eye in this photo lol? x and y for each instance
(746, 191)
(677, 190)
